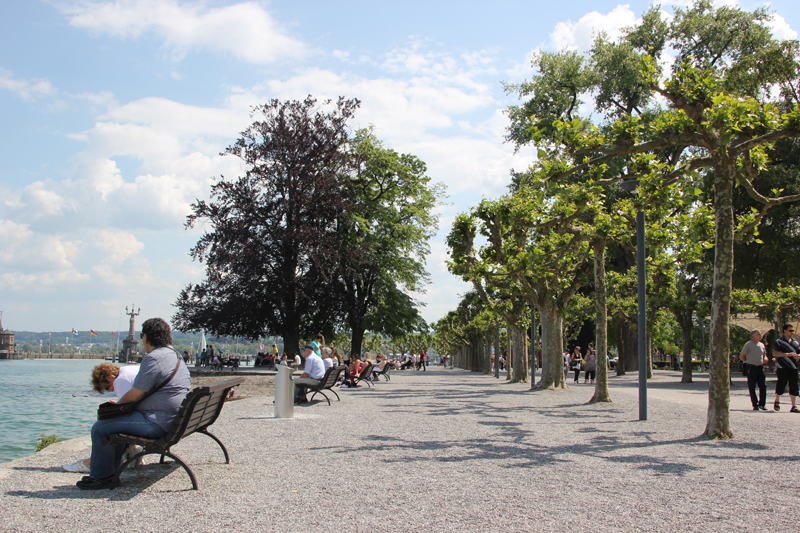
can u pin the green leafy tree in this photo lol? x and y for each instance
(384, 237)
(719, 118)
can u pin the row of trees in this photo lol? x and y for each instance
(326, 231)
(703, 110)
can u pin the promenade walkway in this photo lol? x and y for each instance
(439, 451)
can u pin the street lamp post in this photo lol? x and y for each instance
(497, 350)
(631, 186)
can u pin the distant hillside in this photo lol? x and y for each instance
(181, 341)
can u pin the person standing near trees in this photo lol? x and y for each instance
(575, 361)
(754, 356)
(591, 364)
(785, 351)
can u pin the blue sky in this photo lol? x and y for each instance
(114, 114)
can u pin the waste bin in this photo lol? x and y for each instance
(284, 392)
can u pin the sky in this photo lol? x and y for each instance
(113, 116)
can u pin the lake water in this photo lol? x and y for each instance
(44, 396)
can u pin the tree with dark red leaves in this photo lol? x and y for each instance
(271, 244)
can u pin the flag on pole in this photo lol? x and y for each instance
(262, 347)
(92, 332)
(113, 336)
(40, 343)
(74, 332)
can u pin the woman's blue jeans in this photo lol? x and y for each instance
(106, 459)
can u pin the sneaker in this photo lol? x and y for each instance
(88, 483)
(762, 407)
(755, 408)
(78, 468)
(345, 385)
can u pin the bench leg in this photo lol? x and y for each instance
(337, 396)
(184, 466)
(323, 394)
(224, 449)
(123, 466)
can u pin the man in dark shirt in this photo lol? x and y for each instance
(785, 351)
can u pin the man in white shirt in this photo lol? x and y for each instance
(313, 372)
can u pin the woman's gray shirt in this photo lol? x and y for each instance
(162, 406)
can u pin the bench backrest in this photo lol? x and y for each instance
(366, 371)
(200, 409)
(331, 376)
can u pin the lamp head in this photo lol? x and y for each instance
(630, 186)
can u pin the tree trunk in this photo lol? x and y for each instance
(357, 339)
(520, 372)
(552, 347)
(601, 393)
(629, 348)
(291, 344)
(511, 348)
(487, 354)
(686, 332)
(719, 421)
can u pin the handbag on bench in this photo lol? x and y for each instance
(112, 409)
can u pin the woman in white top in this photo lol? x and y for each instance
(107, 377)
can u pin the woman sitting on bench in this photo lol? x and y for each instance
(151, 417)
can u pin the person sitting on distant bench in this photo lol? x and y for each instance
(327, 358)
(353, 371)
(259, 359)
(313, 372)
(378, 368)
(119, 380)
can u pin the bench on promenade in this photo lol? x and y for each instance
(328, 380)
(233, 362)
(365, 375)
(386, 372)
(199, 410)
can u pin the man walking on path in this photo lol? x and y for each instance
(785, 351)
(754, 355)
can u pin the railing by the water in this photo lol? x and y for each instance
(58, 356)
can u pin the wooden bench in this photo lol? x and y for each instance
(198, 411)
(329, 379)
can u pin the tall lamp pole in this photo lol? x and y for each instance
(631, 186)
(497, 350)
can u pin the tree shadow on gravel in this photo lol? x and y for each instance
(508, 449)
(132, 483)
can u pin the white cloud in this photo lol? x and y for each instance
(780, 28)
(26, 89)
(580, 35)
(245, 31)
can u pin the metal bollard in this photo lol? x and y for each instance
(284, 392)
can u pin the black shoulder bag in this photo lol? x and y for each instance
(111, 409)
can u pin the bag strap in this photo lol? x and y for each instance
(162, 384)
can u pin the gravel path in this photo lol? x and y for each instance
(443, 450)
